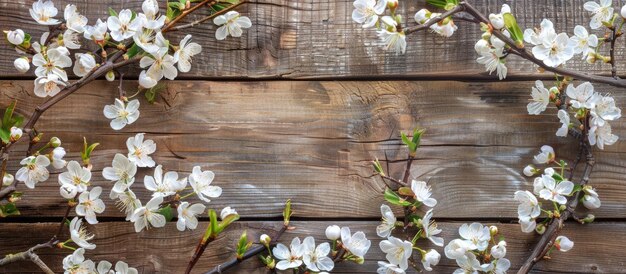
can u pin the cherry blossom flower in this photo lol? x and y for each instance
(528, 225)
(356, 243)
(147, 80)
(84, 64)
(563, 244)
(540, 99)
(48, 85)
(499, 266)
(605, 110)
(601, 136)
(389, 222)
(80, 235)
(456, 248)
(476, 235)
(600, 12)
(289, 257)
(21, 64)
(97, 32)
(57, 158)
(392, 39)
(185, 51)
(499, 251)
(552, 48)
(139, 150)
(367, 12)
(565, 122)
(124, 26)
(74, 21)
(187, 215)
(43, 12)
(583, 42)
(333, 232)
(126, 201)
(497, 20)
(422, 193)
(316, 258)
(15, 133)
(530, 170)
(200, 181)
(164, 185)
(16, 37)
(150, 9)
(122, 113)
(556, 191)
(148, 215)
(146, 40)
(444, 29)
(398, 251)
(430, 258)
(89, 203)
(122, 172)
(591, 199)
(493, 61)
(535, 36)
(227, 211)
(467, 264)
(122, 268)
(538, 184)
(529, 206)
(75, 263)
(161, 65)
(430, 229)
(231, 24)
(52, 63)
(582, 96)
(389, 268)
(34, 170)
(545, 156)
(76, 175)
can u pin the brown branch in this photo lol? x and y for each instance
(187, 12)
(202, 20)
(612, 53)
(251, 253)
(435, 20)
(31, 255)
(394, 180)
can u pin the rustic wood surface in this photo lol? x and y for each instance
(313, 142)
(167, 250)
(313, 39)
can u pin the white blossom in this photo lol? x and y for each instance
(187, 215)
(122, 172)
(389, 222)
(148, 215)
(445, 30)
(582, 96)
(104, 267)
(43, 12)
(124, 26)
(89, 203)
(57, 158)
(556, 191)
(75, 263)
(185, 51)
(48, 85)
(493, 61)
(540, 99)
(161, 65)
(422, 193)
(16, 37)
(15, 133)
(422, 15)
(164, 184)
(545, 156)
(139, 150)
(430, 229)
(74, 21)
(563, 244)
(591, 199)
(34, 170)
(126, 201)
(333, 232)
(201, 181)
(583, 42)
(97, 32)
(289, 257)
(397, 250)
(231, 24)
(389, 268)
(147, 80)
(52, 63)
(530, 170)
(499, 251)
(367, 12)
(122, 113)
(499, 266)
(468, 264)
(430, 258)
(552, 48)
(356, 243)
(565, 122)
(393, 41)
(316, 257)
(535, 36)
(227, 211)
(601, 12)
(84, 64)
(457, 248)
(77, 176)
(122, 268)
(150, 10)
(601, 136)
(497, 20)
(528, 225)
(21, 64)
(605, 110)
(482, 46)
(476, 235)
(80, 235)
(529, 206)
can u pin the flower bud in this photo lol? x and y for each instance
(265, 239)
(16, 134)
(422, 15)
(21, 64)
(493, 230)
(392, 4)
(7, 180)
(482, 46)
(589, 219)
(55, 142)
(540, 229)
(227, 211)
(591, 58)
(496, 20)
(16, 37)
(333, 232)
(563, 244)
(110, 76)
(530, 170)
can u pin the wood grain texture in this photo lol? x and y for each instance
(313, 38)
(313, 142)
(167, 250)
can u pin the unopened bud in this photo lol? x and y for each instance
(392, 4)
(16, 134)
(540, 229)
(110, 76)
(359, 260)
(493, 230)
(7, 180)
(333, 232)
(265, 240)
(55, 142)
(589, 219)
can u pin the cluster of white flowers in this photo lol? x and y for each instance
(398, 251)
(584, 102)
(472, 252)
(370, 13)
(491, 49)
(76, 263)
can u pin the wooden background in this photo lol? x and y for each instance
(297, 108)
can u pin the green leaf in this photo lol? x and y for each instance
(243, 245)
(112, 12)
(167, 212)
(287, 213)
(132, 51)
(577, 187)
(151, 94)
(415, 218)
(412, 146)
(510, 23)
(8, 113)
(437, 3)
(214, 223)
(5, 135)
(417, 136)
(393, 198)
(9, 209)
(557, 177)
(378, 167)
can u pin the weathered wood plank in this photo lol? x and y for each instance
(311, 38)
(167, 250)
(313, 142)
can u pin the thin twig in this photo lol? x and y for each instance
(204, 19)
(187, 12)
(612, 53)
(251, 253)
(394, 180)
(31, 255)
(435, 20)
(121, 88)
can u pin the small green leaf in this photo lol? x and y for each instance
(243, 245)
(167, 212)
(393, 198)
(5, 135)
(378, 167)
(438, 3)
(8, 114)
(557, 177)
(132, 51)
(412, 146)
(214, 223)
(9, 209)
(417, 136)
(112, 12)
